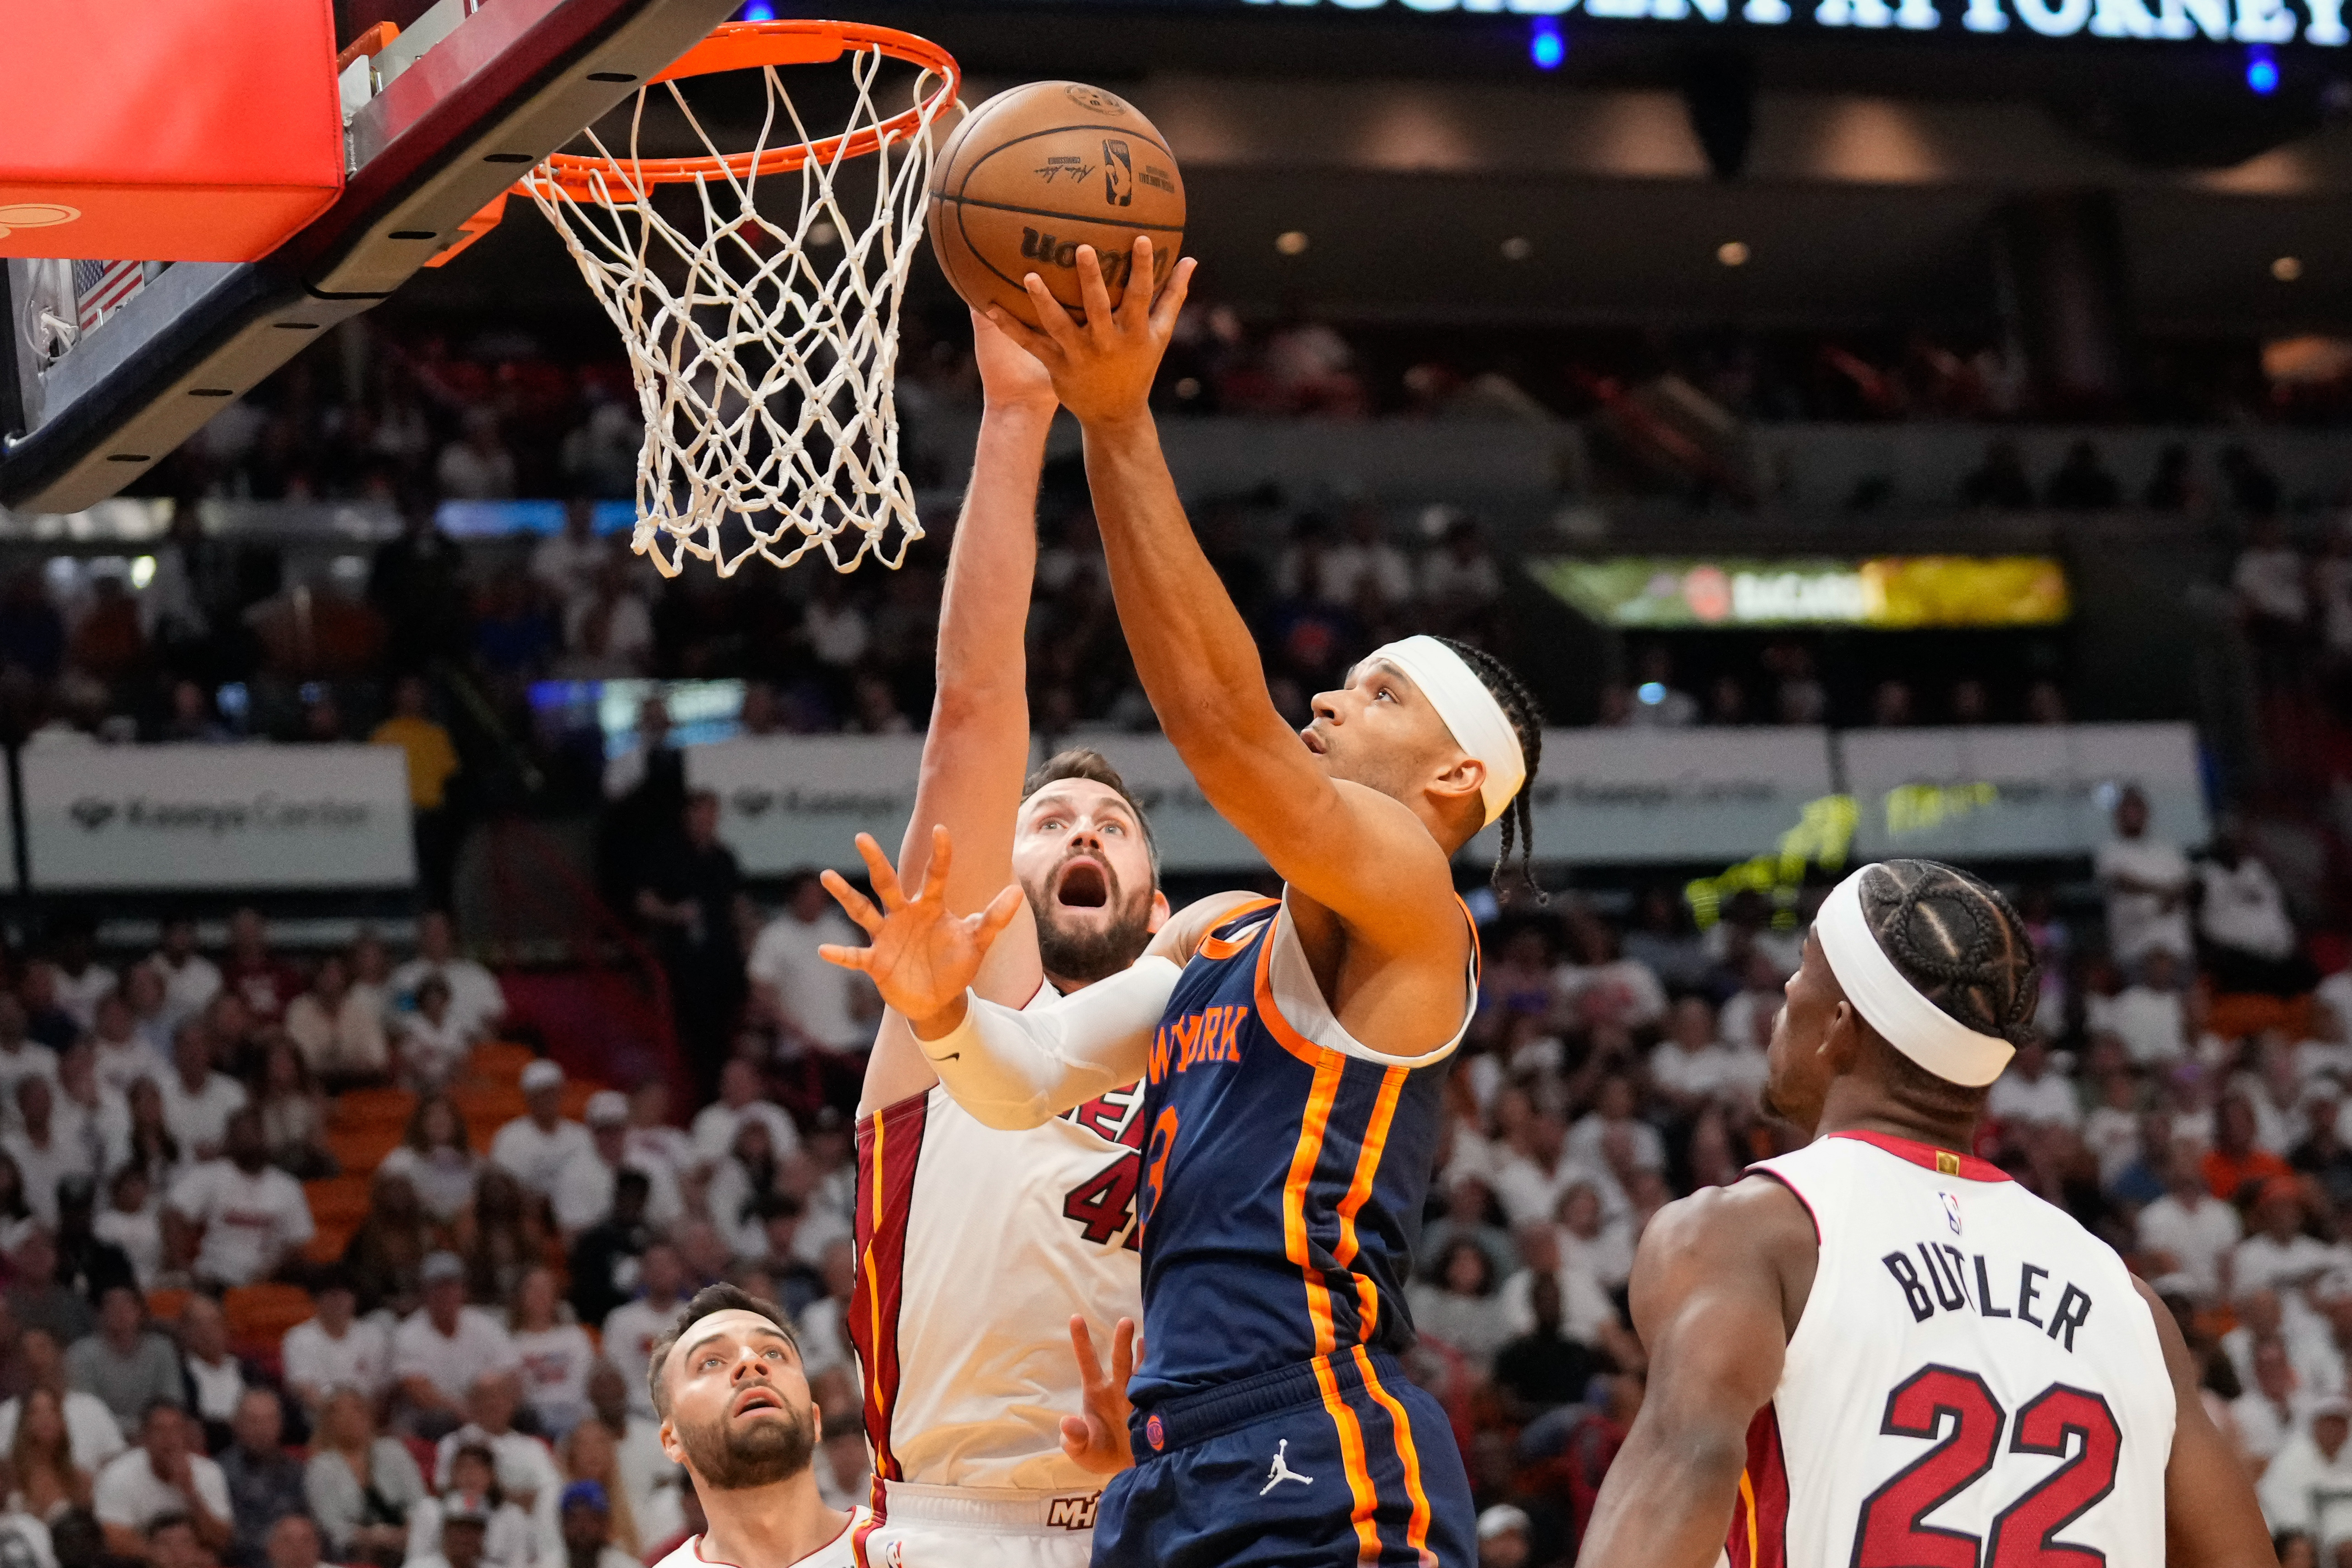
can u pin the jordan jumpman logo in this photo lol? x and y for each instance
(1281, 1471)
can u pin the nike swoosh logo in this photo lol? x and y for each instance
(951, 1056)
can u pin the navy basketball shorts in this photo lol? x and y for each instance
(1337, 1462)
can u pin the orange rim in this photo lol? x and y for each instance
(751, 45)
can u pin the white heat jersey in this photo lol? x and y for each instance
(975, 1246)
(1974, 1379)
(843, 1550)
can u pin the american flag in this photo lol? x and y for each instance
(101, 286)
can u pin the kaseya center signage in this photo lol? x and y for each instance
(1604, 797)
(216, 816)
(2319, 21)
(789, 803)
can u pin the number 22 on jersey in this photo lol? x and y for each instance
(1957, 1412)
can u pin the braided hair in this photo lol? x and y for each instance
(1962, 945)
(1520, 706)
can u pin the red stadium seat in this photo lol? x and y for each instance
(338, 1201)
(487, 1107)
(259, 1315)
(500, 1061)
(360, 1150)
(373, 1107)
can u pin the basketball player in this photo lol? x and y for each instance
(1294, 1048)
(977, 1245)
(1879, 1351)
(734, 1405)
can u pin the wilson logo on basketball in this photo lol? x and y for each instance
(1058, 252)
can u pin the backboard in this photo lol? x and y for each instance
(105, 367)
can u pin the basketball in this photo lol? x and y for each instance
(1040, 170)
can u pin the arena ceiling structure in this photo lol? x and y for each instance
(1518, 160)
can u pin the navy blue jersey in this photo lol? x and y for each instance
(1286, 1167)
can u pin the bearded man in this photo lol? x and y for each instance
(733, 1397)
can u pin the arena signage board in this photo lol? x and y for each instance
(798, 802)
(1631, 797)
(2003, 791)
(2319, 21)
(1191, 836)
(216, 816)
(1891, 592)
(1602, 796)
(1669, 797)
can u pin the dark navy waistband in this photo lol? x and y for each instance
(1196, 1417)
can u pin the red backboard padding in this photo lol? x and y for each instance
(197, 131)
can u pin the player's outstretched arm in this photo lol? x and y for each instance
(976, 750)
(1718, 1284)
(1010, 1068)
(1352, 850)
(2210, 1517)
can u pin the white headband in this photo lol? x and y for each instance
(1478, 723)
(1908, 1021)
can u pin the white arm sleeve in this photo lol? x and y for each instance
(1014, 1070)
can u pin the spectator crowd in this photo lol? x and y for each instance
(307, 1262)
(450, 648)
(303, 1263)
(513, 411)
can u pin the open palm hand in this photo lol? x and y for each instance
(924, 955)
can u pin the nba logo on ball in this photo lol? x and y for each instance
(1155, 1435)
(1951, 1211)
(1118, 175)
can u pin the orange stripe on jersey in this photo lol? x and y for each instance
(1477, 949)
(1368, 1163)
(1298, 1045)
(1295, 1242)
(1758, 1537)
(1416, 1531)
(1288, 1038)
(868, 1276)
(890, 1143)
(1351, 1459)
(1214, 947)
(869, 1279)
(1368, 1167)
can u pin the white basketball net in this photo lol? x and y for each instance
(763, 356)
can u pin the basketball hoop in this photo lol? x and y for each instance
(763, 369)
